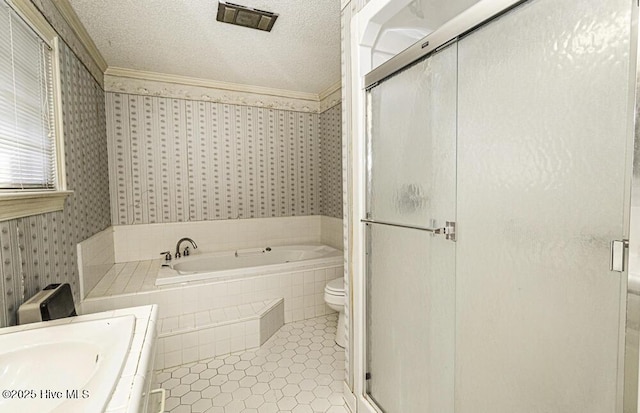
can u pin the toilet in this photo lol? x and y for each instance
(334, 297)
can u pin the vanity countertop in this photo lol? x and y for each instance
(128, 394)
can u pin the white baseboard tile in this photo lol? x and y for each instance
(349, 398)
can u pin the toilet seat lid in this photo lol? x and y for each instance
(335, 286)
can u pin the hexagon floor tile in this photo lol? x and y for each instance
(299, 369)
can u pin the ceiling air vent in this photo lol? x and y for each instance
(245, 16)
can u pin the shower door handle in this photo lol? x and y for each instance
(618, 254)
(449, 230)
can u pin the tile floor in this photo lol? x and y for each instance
(299, 370)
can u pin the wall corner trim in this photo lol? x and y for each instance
(72, 19)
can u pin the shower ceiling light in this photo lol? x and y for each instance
(245, 16)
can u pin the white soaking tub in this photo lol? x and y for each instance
(246, 262)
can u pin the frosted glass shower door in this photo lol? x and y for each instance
(410, 276)
(542, 134)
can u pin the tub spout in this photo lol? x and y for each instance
(193, 244)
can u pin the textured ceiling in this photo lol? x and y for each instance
(182, 37)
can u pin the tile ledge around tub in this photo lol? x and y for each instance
(105, 288)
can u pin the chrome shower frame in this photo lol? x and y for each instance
(465, 23)
(456, 28)
(632, 197)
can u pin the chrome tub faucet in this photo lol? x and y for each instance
(186, 250)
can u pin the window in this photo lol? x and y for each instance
(30, 133)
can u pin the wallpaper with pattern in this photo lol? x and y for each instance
(331, 162)
(175, 160)
(41, 249)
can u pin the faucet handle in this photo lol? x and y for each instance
(186, 252)
(167, 255)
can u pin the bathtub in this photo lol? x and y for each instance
(246, 263)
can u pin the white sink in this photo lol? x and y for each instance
(46, 366)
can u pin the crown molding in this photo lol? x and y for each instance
(330, 90)
(154, 88)
(209, 84)
(72, 19)
(139, 82)
(330, 97)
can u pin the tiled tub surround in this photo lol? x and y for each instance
(331, 232)
(218, 316)
(146, 241)
(133, 283)
(192, 337)
(98, 254)
(195, 303)
(132, 389)
(243, 263)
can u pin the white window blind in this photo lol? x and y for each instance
(27, 130)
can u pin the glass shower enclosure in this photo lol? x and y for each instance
(411, 253)
(497, 180)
